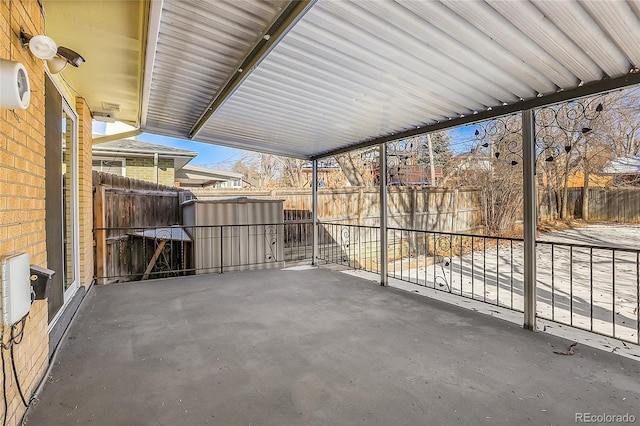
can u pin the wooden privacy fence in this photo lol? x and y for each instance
(409, 207)
(621, 205)
(120, 202)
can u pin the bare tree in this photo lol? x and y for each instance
(352, 170)
(292, 174)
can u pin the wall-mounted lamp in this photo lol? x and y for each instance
(45, 48)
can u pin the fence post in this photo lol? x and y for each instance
(384, 254)
(314, 211)
(530, 221)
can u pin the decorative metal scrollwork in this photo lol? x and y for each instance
(558, 127)
(166, 263)
(271, 241)
(503, 136)
(345, 243)
(442, 254)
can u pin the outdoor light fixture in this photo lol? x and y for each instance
(45, 48)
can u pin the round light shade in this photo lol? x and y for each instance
(43, 47)
(56, 64)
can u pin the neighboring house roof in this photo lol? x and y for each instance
(204, 176)
(127, 148)
(623, 166)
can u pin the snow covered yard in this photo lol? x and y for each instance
(587, 277)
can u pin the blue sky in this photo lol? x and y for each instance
(216, 156)
(209, 155)
(213, 156)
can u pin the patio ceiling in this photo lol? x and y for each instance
(333, 74)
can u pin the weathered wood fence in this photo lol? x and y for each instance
(121, 202)
(424, 208)
(621, 205)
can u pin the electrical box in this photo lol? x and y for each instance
(16, 287)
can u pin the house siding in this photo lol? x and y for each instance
(22, 203)
(143, 169)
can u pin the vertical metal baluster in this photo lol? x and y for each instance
(571, 285)
(460, 258)
(451, 263)
(497, 272)
(553, 298)
(613, 294)
(394, 253)
(638, 297)
(473, 269)
(221, 249)
(425, 240)
(511, 271)
(401, 255)
(591, 286)
(484, 269)
(409, 253)
(144, 250)
(182, 267)
(435, 249)
(350, 246)
(333, 243)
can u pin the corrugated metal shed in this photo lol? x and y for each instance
(351, 72)
(235, 233)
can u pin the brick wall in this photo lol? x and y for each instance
(142, 169)
(166, 172)
(22, 206)
(85, 191)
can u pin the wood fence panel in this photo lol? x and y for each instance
(618, 205)
(121, 202)
(409, 207)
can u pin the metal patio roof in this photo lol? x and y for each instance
(306, 78)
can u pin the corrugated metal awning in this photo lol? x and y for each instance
(351, 72)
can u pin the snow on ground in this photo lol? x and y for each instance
(594, 288)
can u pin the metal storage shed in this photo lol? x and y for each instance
(235, 234)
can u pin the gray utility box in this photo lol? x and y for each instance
(235, 234)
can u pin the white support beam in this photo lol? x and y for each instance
(530, 219)
(314, 208)
(384, 255)
(124, 135)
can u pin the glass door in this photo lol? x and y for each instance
(69, 197)
(61, 198)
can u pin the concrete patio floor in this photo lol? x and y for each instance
(300, 347)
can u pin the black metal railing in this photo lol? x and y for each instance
(594, 288)
(588, 287)
(129, 254)
(478, 267)
(351, 245)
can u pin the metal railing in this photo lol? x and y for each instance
(588, 287)
(351, 245)
(129, 254)
(477, 267)
(593, 288)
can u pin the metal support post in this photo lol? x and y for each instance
(314, 210)
(530, 219)
(384, 255)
